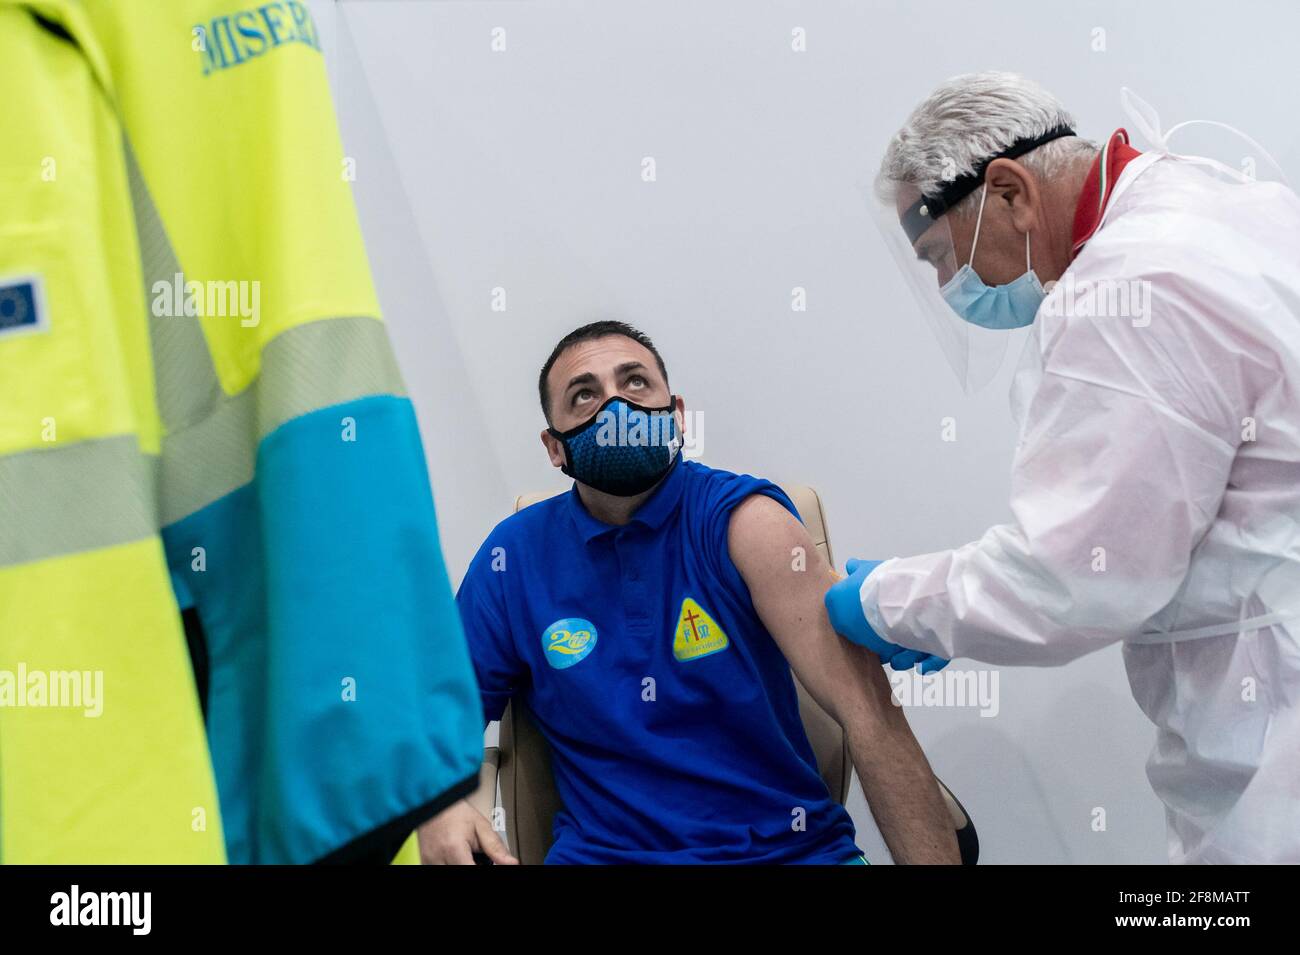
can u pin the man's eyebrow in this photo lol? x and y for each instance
(586, 378)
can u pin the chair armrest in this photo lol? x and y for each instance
(968, 842)
(484, 799)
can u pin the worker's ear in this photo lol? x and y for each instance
(1011, 183)
(554, 448)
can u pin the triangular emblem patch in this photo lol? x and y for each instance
(697, 633)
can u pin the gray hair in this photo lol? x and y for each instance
(970, 118)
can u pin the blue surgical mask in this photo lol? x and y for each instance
(1013, 305)
(623, 449)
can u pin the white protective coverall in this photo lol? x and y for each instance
(1156, 501)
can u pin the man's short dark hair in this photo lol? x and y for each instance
(587, 333)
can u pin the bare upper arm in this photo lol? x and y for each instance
(787, 579)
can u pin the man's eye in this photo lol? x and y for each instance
(637, 380)
(581, 395)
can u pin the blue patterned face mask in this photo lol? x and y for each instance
(1013, 305)
(623, 449)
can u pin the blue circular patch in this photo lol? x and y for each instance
(568, 641)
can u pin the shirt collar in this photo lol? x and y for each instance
(653, 512)
(1099, 185)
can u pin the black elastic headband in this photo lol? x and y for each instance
(922, 214)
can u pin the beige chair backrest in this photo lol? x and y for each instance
(528, 794)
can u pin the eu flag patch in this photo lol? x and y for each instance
(22, 305)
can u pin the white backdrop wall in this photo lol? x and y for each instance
(481, 169)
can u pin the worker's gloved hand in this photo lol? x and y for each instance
(844, 605)
(906, 659)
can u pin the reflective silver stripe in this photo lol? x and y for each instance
(76, 497)
(210, 438)
(307, 368)
(324, 363)
(186, 386)
(98, 493)
(206, 461)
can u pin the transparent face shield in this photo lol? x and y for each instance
(927, 257)
(928, 252)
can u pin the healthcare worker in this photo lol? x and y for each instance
(1156, 485)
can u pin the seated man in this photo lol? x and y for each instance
(649, 619)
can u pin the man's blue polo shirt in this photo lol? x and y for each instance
(671, 713)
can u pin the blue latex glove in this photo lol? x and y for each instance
(907, 659)
(844, 605)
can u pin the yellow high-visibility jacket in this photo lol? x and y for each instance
(200, 412)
